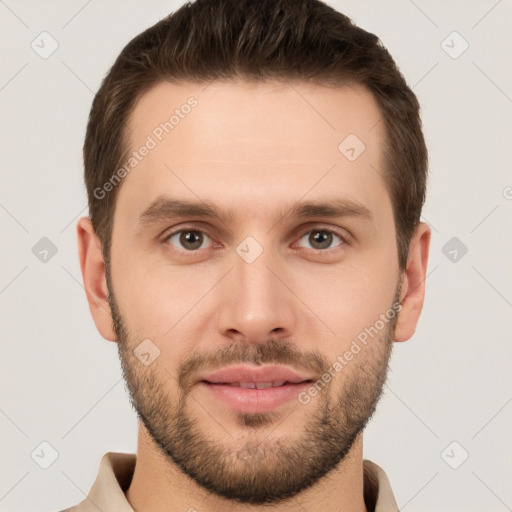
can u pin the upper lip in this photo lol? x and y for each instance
(245, 373)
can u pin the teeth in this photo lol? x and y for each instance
(258, 385)
(264, 385)
(251, 385)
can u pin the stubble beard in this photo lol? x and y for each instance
(251, 464)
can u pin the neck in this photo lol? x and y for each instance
(158, 485)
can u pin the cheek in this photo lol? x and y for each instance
(347, 302)
(164, 304)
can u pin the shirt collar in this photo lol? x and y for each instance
(116, 472)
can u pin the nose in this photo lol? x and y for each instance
(257, 303)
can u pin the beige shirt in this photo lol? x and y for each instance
(116, 472)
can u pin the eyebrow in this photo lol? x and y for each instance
(165, 208)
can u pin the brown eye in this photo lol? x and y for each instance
(188, 239)
(321, 239)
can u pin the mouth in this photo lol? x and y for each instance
(248, 389)
(258, 385)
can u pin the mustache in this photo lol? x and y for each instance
(273, 352)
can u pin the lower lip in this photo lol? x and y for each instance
(249, 400)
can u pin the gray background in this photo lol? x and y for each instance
(61, 382)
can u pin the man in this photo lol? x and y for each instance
(256, 173)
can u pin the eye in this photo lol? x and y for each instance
(321, 239)
(189, 239)
(192, 240)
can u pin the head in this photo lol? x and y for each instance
(255, 173)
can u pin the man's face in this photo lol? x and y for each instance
(260, 288)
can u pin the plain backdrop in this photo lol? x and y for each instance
(442, 429)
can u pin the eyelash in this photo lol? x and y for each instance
(343, 238)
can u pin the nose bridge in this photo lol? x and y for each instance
(256, 304)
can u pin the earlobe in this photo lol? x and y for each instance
(92, 266)
(412, 293)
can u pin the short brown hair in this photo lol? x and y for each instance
(258, 40)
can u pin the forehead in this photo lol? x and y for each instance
(256, 110)
(253, 141)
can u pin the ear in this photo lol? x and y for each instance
(92, 266)
(412, 293)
